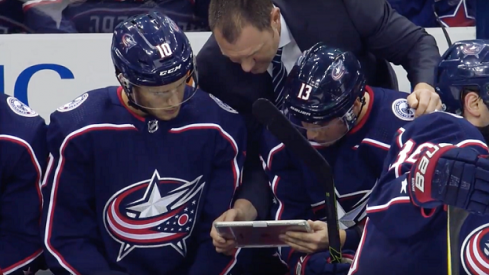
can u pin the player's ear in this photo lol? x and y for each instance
(473, 104)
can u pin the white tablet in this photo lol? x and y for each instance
(260, 233)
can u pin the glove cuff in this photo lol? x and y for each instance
(421, 176)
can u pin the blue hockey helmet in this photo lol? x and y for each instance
(150, 51)
(322, 88)
(464, 66)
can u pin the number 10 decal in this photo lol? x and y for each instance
(164, 50)
(305, 91)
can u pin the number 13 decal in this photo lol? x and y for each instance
(305, 92)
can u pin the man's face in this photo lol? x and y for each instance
(326, 133)
(254, 49)
(162, 102)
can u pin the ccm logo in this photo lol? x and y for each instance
(170, 71)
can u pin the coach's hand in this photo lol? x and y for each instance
(242, 210)
(424, 99)
(314, 241)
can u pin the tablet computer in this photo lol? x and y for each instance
(259, 233)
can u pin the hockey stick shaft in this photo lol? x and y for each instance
(455, 220)
(298, 145)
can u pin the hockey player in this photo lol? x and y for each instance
(141, 171)
(351, 125)
(439, 159)
(23, 158)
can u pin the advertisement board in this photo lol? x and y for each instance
(46, 71)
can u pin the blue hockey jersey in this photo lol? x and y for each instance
(23, 159)
(452, 13)
(356, 160)
(138, 195)
(12, 17)
(401, 238)
(94, 16)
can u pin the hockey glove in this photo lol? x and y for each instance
(320, 264)
(451, 175)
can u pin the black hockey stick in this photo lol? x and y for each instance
(456, 217)
(281, 128)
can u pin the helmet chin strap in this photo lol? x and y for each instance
(127, 87)
(354, 119)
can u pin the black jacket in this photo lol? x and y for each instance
(372, 30)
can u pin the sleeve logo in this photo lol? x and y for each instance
(401, 109)
(73, 104)
(20, 108)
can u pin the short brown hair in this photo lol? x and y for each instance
(230, 16)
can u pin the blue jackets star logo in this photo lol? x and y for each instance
(153, 213)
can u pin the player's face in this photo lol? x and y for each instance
(163, 102)
(254, 49)
(326, 133)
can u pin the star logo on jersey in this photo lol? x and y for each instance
(459, 18)
(475, 251)
(153, 213)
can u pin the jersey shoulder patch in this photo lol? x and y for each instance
(401, 109)
(20, 108)
(223, 105)
(75, 103)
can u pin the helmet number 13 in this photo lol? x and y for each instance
(164, 50)
(304, 92)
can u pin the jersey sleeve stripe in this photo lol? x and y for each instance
(33, 158)
(225, 135)
(383, 207)
(376, 143)
(57, 175)
(272, 152)
(22, 263)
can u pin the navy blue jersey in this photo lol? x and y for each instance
(71, 16)
(139, 195)
(452, 13)
(12, 17)
(356, 161)
(23, 159)
(399, 237)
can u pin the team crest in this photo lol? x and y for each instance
(337, 70)
(475, 251)
(174, 26)
(153, 213)
(472, 49)
(401, 109)
(223, 105)
(73, 104)
(20, 108)
(128, 41)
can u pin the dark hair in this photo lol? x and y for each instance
(230, 16)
